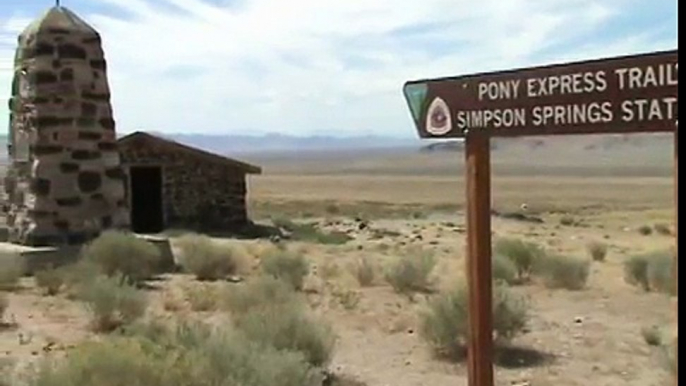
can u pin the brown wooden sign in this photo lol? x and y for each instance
(618, 95)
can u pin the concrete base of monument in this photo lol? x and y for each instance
(38, 258)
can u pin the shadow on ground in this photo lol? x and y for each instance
(513, 357)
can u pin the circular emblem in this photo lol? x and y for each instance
(438, 121)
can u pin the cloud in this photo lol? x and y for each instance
(320, 67)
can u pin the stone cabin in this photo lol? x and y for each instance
(175, 186)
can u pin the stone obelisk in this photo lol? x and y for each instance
(65, 183)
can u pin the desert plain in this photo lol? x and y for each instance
(562, 194)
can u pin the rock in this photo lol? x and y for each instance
(234, 279)
(578, 320)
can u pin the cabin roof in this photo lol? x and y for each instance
(193, 151)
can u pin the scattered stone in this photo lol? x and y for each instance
(234, 279)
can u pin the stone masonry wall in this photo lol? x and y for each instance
(198, 194)
(65, 183)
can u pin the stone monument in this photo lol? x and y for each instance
(65, 183)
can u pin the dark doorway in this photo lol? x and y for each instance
(146, 199)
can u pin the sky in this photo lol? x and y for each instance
(324, 67)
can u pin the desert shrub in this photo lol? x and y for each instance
(663, 229)
(206, 260)
(444, 325)
(262, 291)
(636, 271)
(4, 304)
(12, 268)
(560, 271)
(332, 209)
(661, 273)
(567, 220)
(203, 298)
(347, 298)
(285, 265)
(113, 303)
(504, 270)
(188, 355)
(652, 335)
(289, 328)
(328, 270)
(114, 362)
(123, 254)
(671, 352)
(597, 250)
(645, 230)
(50, 280)
(411, 273)
(524, 255)
(364, 271)
(652, 271)
(78, 276)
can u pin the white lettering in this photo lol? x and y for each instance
(575, 114)
(621, 73)
(476, 119)
(499, 90)
(649, 109)
(651, 76)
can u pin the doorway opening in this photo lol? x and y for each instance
(146, 199)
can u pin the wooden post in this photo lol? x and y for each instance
(480, 350)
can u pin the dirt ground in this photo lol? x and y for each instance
(592, 336)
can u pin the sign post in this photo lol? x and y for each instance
(620, 95)
(478, 162)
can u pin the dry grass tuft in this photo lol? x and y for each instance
(597, 250)
(444, 324)
(412, 272)
(560, 271)
(364, 271)
(123, 254)
(202, 298)
(12, 268)
(289, 266)
(113, 303)
(201, 256)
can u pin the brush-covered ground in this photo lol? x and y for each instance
(366, 287)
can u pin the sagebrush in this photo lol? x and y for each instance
(597, 250)
(205, 259)
(289, 328)
(525, 255)
(12, 268)
(285, 265)
(50, 280)
(444, 324)
(504, 270)
(202, 298)
(364, 271)
(113, 303)
(186, 354)
(123, 254)
(259, 292)
(4, 304)
(562, 271)
(652, 271)
(652, 335)
(412, 272)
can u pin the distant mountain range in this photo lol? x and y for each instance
(236, 145)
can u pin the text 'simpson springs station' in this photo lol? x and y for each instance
(626, 94)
